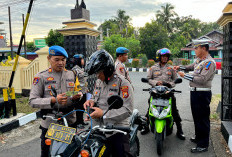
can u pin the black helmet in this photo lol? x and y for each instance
(100, 60)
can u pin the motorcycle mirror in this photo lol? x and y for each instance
(53, 90)
(145, 80)
(115, 102)
(178, 80)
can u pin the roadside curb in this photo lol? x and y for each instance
(19, 122)
(219, 72)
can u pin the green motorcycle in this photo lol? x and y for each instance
(160, 112)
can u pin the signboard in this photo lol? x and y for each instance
(39, 43)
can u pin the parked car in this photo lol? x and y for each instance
(218, 63)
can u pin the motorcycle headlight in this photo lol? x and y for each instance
(155, 112)
(165, 112)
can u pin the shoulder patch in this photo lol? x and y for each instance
(207, 65)
(121, 69)
(36, 80)
(169, 68)
(124, 90)
(114, 85)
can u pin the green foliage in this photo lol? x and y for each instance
(135, 63)
(31, 47)
(113, 42)
(151, 62)
(185, 61)
(144, 59)
(153, 37)
(54, 38)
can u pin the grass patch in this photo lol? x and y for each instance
(22, 105)
(214, 116)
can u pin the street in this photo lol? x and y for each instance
(172, 145)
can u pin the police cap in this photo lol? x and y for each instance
(58, 51)
(77, 56)
(121, 50)
(197, 43)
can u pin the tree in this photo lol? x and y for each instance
(165, 16)
(31, 47)
(111, 43)
(153, 37)
(122, 19)
(54, 38)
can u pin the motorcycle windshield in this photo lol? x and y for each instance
(58, 148)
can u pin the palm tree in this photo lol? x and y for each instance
(122, 19)
(165, 15)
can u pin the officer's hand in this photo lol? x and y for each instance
(98, 113)
(159, 83)
(62, 99)
(176, 67)
(181, 73)
(89, 103)
(77, 96)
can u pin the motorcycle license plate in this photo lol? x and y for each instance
(60, 133)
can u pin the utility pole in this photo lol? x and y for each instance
(11, 42)
(25, 46)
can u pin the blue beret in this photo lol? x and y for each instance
(78, 56)
(57, 51)
(122, 50)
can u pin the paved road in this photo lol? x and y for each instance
(172, 146)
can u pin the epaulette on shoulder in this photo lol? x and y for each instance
(41, 72)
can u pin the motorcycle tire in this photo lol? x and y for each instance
(135, 147)
(159, 143)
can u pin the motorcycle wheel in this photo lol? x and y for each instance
(159, 143)
(135, 147)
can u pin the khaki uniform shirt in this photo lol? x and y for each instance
(40, 94)
(117, 85)
(121, 69)
(81, 78)
(158, 73)
(203, 72)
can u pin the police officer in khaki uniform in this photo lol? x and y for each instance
(122, 56)
(109, 83)
(81, 84)
(41, 96)
(200, 85)
(161, 74)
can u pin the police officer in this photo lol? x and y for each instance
(109, 83)
(122, 56)
(161, 74)
(200, 85)
(41, 96)
(81, 84)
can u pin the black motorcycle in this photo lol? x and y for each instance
(67, 141)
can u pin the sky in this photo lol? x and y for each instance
(49, 14)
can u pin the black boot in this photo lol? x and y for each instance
(145, 130)
(179, 132)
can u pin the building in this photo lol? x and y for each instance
(215, 47)
(2, 37)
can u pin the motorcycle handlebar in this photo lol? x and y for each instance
(122, 128)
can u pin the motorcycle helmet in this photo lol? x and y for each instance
(100, 60)
(163, 51)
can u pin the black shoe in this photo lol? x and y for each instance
(180, 135)
(199, 150)
(145, 130)
(193, 139)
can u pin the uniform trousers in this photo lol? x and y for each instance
(200, 101)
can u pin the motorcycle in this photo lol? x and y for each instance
(160, 112)
(67, 141)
